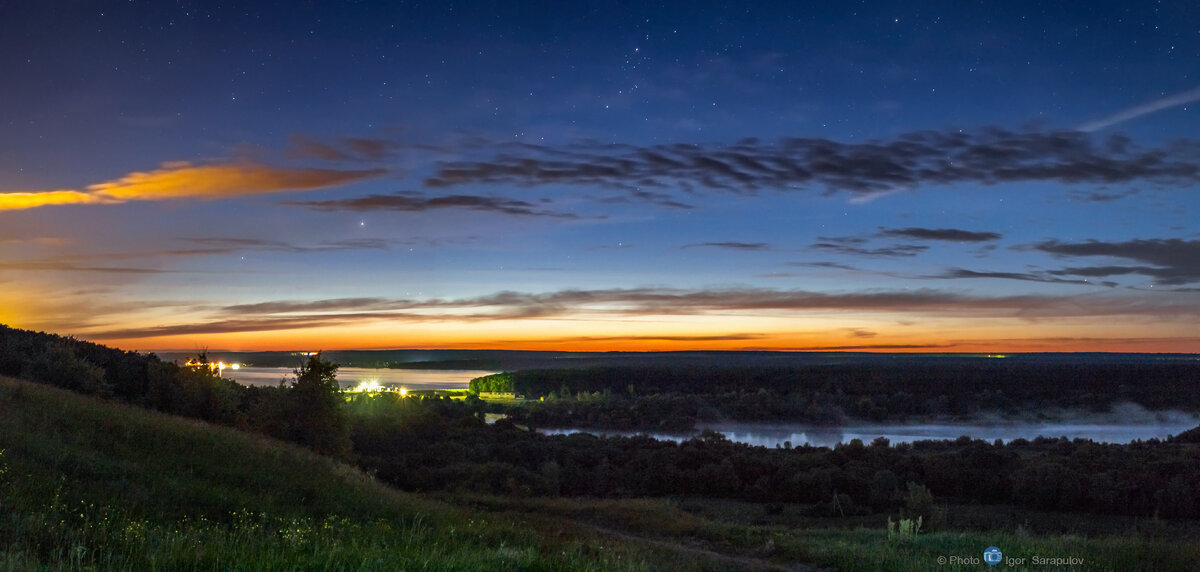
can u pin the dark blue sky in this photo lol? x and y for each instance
(876, 175)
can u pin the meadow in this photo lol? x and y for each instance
(93, 485)
(184, 476)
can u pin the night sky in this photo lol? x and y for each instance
(877, 176)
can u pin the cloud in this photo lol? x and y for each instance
(1102, 196)
(948, 234)
(876, 347)
(985, 156)
(211, 246)
(828, 265)
(74, 266)
(31, 199)
(573, 304)
(730, 245)
(179, 180)
(344, 149)
(857, 246)
(1174, 261)
(1149, 107)
(184, 180)
(225, 245)
(662, 338)
(415, 202)
(1026, 276)
(334, 304)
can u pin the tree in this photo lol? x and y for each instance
(58, 364)
(316, 407)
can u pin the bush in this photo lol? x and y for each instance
(919, 504)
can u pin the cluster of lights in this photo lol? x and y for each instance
(218, 367)
(372, 386)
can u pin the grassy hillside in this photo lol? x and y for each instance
(89, 484)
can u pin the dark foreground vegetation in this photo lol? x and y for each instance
(87, 484)
(441, 445)
(877, 390)
(90, 483)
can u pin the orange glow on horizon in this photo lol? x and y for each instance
(816, 331)
(291, 340)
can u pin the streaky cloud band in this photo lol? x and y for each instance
(990, 155)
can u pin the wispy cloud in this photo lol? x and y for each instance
(103, 261)
(985, 156)
(947, 234)
(416, 202)
(1147, 108)
(661, 338)
(826, 265)
(19, 200)
(876, 347)
(184, 180)
(730, 245)
(1174, 261)
(343, 149)
(574, 304)
(178, 180)
(74, 266)
(1045, 277)
(861, 245)
(234, 244)
(857, 246)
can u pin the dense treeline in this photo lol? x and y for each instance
(435, 443)
(643, 397)
(439, 444)
(308, 411)
(495, 383)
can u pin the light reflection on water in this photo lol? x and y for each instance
(352, 376)
(768, 435)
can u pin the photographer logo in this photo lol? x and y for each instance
(992, 556)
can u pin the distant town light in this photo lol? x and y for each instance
(368, 386)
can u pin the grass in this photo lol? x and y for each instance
(92, 485)
(857, 548)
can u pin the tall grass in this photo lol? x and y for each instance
(867, 548)
(873, 550)
(88, 484)
(92, 485)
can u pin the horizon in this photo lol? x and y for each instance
(887, 178)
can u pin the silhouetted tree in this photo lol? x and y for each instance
(316, 407)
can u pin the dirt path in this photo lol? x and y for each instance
(734, 562)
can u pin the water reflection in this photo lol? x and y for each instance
(769, 435)
(352, 376)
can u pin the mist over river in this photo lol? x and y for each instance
(352, 376)
(770, 435)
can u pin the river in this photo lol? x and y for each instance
(770, 435)
(352, 376)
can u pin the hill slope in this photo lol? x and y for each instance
(86, 483)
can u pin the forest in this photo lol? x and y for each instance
(441, 444)
(677, 397)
